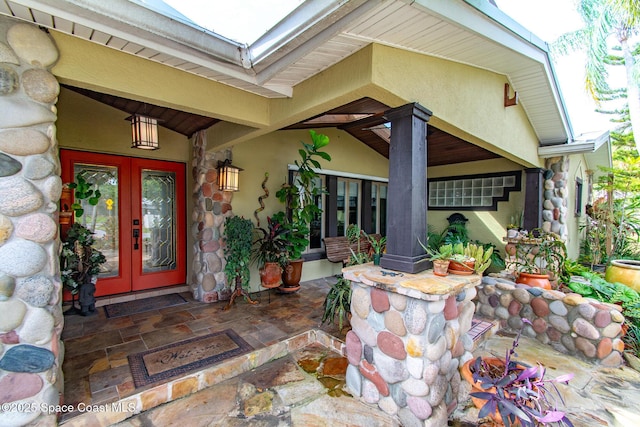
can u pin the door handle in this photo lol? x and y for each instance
(136, 235)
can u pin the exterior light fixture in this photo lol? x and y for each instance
(144, 132)
(228, 176)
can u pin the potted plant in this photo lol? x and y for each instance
(237, 251)
(512, 392)
(377, 246)
(270, 252)
(539, 258)
(338, 302)
(469, 258)
(79, 267)
(299, 197)
(358, 256)
(440, 258)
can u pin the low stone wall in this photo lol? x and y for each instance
(569, 323)
(408, 341)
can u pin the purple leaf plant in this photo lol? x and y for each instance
(519, 392)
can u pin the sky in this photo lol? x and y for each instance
(246, 20)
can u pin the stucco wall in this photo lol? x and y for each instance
(272, 153)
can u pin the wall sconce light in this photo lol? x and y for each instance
(144, 132)
(228, 176)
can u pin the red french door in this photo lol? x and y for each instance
(139, 222)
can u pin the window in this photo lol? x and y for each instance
(578, 195)
(349, 199)
(472, 192)
(348, 206)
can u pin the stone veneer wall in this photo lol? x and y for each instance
(31, 317)
(404, 352)
(555, 196)
(569, 323)
(211, 207)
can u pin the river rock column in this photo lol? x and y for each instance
(31, 318)
(408, 339)
(556, 192)
(211, 207)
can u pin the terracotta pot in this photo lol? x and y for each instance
(534, 280)
(465, 372)
(271, 275)
(456, 267)
(441, 267)
(292, 274)
(625, 271)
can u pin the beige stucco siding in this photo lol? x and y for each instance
(103, 69)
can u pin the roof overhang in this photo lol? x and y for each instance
(596, 148)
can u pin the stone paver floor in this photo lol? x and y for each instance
(294, 390)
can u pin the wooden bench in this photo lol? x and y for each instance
(338, 249)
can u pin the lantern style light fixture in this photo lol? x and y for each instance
(144, 132)
(228, 176)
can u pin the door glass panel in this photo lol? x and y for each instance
(158, 221)
(315, 228)
(382, 209)
(354, 202)
(102, 218)
(341, 208)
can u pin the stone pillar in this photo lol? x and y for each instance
(408, 339)
(407, 201)
(211, 207)
(554, 212)
(31, 317)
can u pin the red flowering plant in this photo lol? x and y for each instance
(516, 392)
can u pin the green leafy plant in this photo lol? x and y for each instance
(444, 252)
(354, 234)
(83, 190)
(271, 244)
(79, 261)
(237, 249)
(300, 195)
(540, 252)
(337, 303)
(377, 245)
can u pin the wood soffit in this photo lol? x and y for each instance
(363, 119)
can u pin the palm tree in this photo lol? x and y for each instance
(606, 20)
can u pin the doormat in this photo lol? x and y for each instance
(141, 305)
(185, 356)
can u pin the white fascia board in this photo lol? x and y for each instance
(584, 145)
(138, 24)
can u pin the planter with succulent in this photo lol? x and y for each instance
(470, 258)
(377, 246)
(270, 252)
(539, 258)
(441, 258)
(79, 267)
(513, 393)
(337, 303)
(299, 197)
(237, 251)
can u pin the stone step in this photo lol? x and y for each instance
(482, 329)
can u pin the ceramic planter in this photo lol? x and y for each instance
(291, 276)
(534, 280)
(441, 267)
(271, 275)
(625, 271)
(460, 268)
